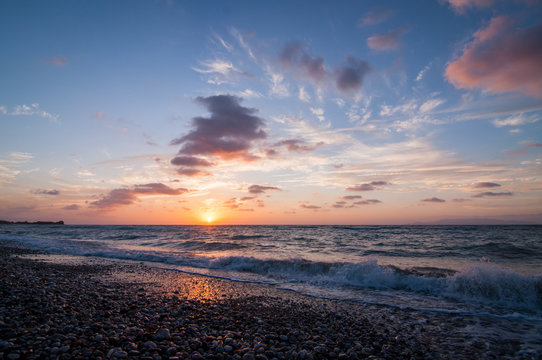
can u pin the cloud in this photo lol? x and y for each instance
(486, 185)
(3, 110)
(295, 56)
(433, 200)
(127, 196)
(500, 58)
(222, 71)
(351, 197)
(367, 202)
(191, 161)
(259, 189)
(534, 145)
(228, 133)
(310, 207)
(45, 192)
(387, 41)
(298, 145)
(367, 187)
(304, 95)
(192, 172)
(319, 113)
(71, 207)
(492, 194)
(430, 105)
(516, 120)
(422, 72)
(33, 109)
(349, 77)
(461, 6)
(98, 115)
(57, 61)
(375, 17)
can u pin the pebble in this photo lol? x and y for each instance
(86, 315)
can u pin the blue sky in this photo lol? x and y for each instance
(356, 112)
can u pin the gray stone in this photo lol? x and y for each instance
(163, 334)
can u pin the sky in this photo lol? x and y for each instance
(282, 112)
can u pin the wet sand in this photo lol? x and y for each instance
(68, 307)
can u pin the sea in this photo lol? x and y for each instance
(490, 270)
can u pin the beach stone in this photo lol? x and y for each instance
(119, 354)
(163, 334)
(228, 348)
(13, 356)
(150, 344)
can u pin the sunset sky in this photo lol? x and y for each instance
(276, 112)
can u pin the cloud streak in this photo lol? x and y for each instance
(260, 189)
(492, 194)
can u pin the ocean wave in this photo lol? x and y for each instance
(483, 283)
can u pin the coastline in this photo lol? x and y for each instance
(59, 306)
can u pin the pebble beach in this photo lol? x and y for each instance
(69, 307)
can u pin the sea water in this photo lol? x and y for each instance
(493, 270)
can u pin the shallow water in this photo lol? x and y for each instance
(494, 270)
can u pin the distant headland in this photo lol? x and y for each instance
(4, 222)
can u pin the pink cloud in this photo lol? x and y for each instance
(461, 6)
(387, 41)
(486, 185)
(57, 61)
(501, 58)
(375, 17)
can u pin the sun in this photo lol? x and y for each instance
(209, 219)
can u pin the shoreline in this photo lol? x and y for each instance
(60, 306)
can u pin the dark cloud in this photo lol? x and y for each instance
(375, 17)
(361, 187)
(246, 198)
(45, 192)
(71, 207)
(433, 200)
(486, 185)
(259, 189)
(351, 197)
(310, 207)
(191, 161)
(501, 58)
(367, 202)
(192, 172)
(367, 187)
(460, 200)
(492, 194)
(228, 133)
(298, 145)
(349, 77)
(127, 196)
(294, 55)
(534, 145)
(387, 41)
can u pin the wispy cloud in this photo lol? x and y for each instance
(222, 71)
(516, 120)
(431, 104)
(387, 41)
(71, 207)
(29, 110)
